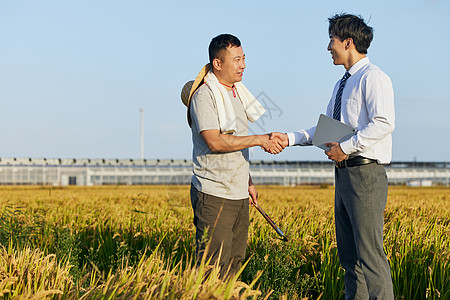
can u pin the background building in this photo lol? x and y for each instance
(62, 172)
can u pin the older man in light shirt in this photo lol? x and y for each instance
(363, 99)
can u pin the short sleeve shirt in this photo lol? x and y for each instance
(224, 174)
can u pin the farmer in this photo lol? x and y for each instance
(363, 99)
(219, 108)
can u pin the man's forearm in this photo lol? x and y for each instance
(253, 193)
(229, 143)
(218, 142)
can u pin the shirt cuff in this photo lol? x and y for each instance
(347, 147)
(291, 138)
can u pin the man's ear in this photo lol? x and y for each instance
(217, 64)
(348, 43)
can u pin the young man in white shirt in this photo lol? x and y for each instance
(363, 99)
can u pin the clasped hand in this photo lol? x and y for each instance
(275, 142)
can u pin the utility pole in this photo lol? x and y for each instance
(142, 133)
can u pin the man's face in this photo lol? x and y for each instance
(337, 50)
(231, 65)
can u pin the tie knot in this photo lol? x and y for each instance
(346, 76)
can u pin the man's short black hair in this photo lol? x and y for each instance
(220, 43)
(350, 26)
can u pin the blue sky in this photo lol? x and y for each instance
(74, 74)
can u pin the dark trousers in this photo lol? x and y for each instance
(360, 199)
(224, 223)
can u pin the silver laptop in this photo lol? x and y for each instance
(331, 130)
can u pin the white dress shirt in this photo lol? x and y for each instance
(367, 105)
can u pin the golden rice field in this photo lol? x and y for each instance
(137, 242)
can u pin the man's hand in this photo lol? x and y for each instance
(253, 193)
(283, 137)
(272, 145)
(279, 140)
(335, 153)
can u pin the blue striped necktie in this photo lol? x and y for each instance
(337, 102)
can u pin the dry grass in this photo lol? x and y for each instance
(138, 242)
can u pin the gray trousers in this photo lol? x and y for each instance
(360, 199)
(225, 224)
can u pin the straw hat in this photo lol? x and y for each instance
(186, 91)
(191, 86)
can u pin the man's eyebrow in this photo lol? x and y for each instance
(239, 56)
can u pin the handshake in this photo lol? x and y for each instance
(274, 142)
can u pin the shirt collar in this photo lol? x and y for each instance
(358, 65)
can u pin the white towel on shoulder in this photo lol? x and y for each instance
(227, 117)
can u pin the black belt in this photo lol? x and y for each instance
(355, 161)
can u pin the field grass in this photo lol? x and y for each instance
(122, 242)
